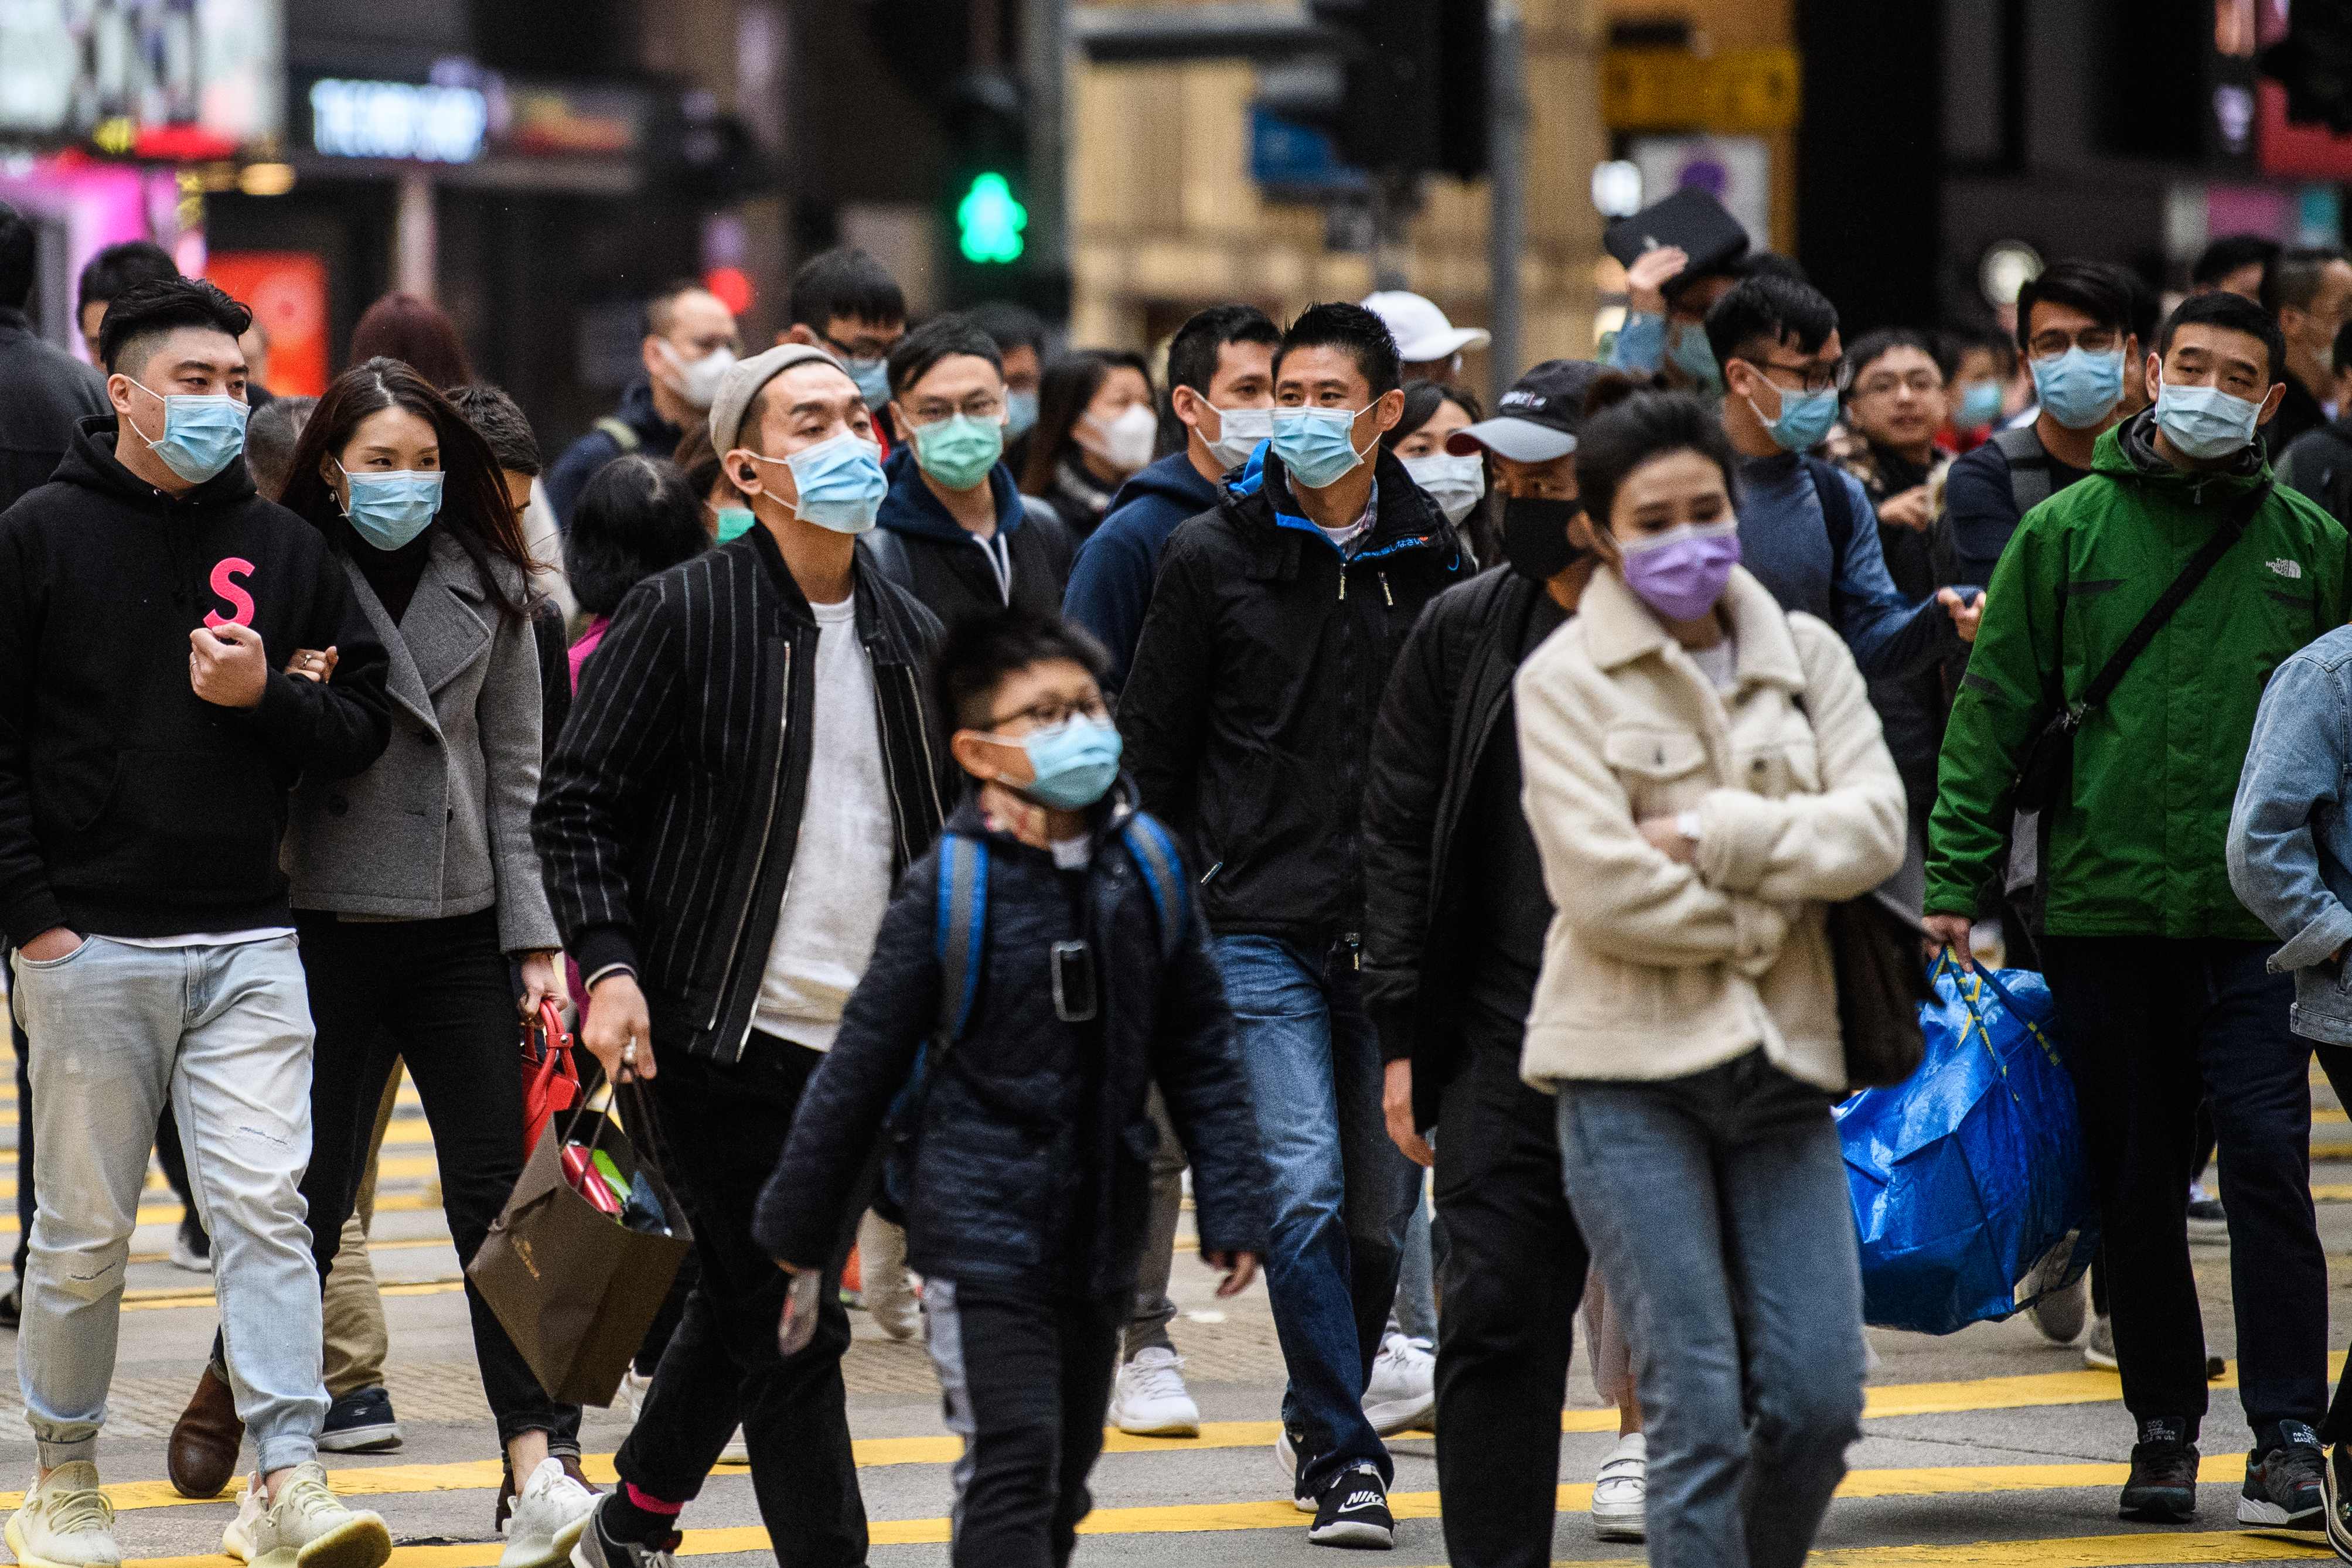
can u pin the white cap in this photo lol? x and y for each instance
(1423, 333)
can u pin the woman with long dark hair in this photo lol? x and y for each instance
(416, 891)
(1097, 424)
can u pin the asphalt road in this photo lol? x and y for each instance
(1987, 1449)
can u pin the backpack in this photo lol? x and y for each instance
(960, 941)
(2029, 466)
(625, 439)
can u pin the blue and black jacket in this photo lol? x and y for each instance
(1248, 712)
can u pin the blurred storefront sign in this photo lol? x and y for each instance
(465, 115)
(1751, 91)
(288, 293)
(1734, 170)
(165, 80)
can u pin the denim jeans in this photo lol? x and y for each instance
(1715, 1207)
(223, 1033)
(1342, 1192)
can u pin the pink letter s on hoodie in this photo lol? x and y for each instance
(239, 602)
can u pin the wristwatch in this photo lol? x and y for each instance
(1687, 823)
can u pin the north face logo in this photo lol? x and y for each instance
(2290, 569)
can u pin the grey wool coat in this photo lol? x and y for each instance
(440, 826)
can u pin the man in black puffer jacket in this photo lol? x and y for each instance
(1078, 978)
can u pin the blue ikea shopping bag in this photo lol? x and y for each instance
(1968, 1184)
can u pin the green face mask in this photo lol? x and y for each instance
(959, 451)
(734, 522)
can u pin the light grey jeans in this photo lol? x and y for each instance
(226, 1033)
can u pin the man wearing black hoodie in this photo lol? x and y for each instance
(1248, 716)
(1221, 389)
(148, 739)
(955, 530)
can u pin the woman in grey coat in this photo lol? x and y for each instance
(425, 928)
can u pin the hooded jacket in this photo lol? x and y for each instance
(49, 392)
(1034, 1138)
(578, 463)
(922, 548)
(129, 806)
(1110, 581)
(1248, 714)
(2136, 841)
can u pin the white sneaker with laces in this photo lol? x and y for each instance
(1150, 1400)
(634, 1389)
(548, 1515)
(308, 1527)
(237, 1536)
(65, 1521)
(1402, 1394)
(1620, 1492)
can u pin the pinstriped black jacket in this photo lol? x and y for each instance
(670, 809)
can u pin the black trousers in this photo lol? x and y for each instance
(437, 994)
(726, 1127)
(1512, 1276)
(2151, 1027)
(1026, 1380)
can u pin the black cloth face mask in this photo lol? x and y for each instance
(1534, 536)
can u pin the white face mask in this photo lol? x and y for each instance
(1456, 484)
(1239, 430)
(698, 380)
(1125, 442)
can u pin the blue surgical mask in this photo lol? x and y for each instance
(1020, 414)
(873, 379)
(1804, 420)
(1980, 404)
(840, 482)
(388, 510)
(734, 522)
(1316, 446)
(202, 435)
(2078, 388)
(2205, 422)
(1695, 357)
(1075, 762)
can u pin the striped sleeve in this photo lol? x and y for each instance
(610, 760)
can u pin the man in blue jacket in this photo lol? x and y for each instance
(1220, 365)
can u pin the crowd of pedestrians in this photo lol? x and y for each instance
(971, 790)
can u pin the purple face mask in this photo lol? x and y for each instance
(1681, 573)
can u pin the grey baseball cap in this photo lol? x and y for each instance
(742, 383)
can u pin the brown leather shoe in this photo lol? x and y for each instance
(205, 1440)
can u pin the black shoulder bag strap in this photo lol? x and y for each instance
(2040, 779)
(1838, 522)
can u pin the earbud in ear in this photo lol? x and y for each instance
(744, 473)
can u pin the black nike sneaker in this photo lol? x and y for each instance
(2284, 1486)
(2163, 1484)
(1353, 1510)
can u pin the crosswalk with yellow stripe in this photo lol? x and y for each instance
(1151, 1531)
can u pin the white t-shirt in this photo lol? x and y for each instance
(840, 883)
(1719, 664)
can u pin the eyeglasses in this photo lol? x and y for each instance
(1925, 382)
(981, 406)
(1810, 377)
(1053, 710)
(2090, 340)
(865, 348)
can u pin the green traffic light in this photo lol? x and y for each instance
(989, 221)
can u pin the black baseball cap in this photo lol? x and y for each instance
(1538, 418)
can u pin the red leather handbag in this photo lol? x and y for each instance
(550, 1082)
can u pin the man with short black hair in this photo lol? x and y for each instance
(1019, 333)
(1221, 389)
(847, 303)
(2076, 328)
(2309, 291)
(689, 344)
(2235, 264)
(148, 600)
(1248, 715)
(1807, 529)
(110, 273)
(2165, 980)
(955, 530)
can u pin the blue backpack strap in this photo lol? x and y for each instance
(962, 930)
(1156, 856)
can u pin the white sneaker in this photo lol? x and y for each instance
(237, 1537)
(634, 1389)
(737, 1452)
(1150, 1400)
(308, 1527)
(547, 1517)
(65, 1521)
(1402, 1394)
(1620, 1492)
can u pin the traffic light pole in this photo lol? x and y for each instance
(1046, 50)
(1506, 190)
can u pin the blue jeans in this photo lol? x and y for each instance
(1342, 1192)
(1715, 1207)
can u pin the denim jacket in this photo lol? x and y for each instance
(2290, 844)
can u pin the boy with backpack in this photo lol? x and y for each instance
(1038, 972)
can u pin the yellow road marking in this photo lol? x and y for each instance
(169, 1213)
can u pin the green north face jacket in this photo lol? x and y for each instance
(2136, 846)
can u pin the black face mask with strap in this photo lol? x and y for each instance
(1534, 536)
